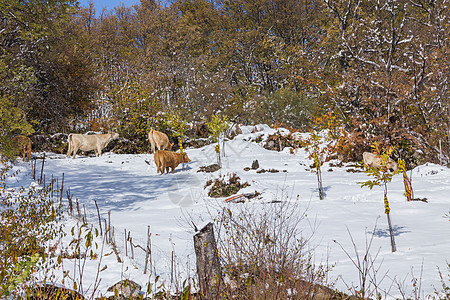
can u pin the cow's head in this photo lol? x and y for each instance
(185, 158)
(114, 135)
(392, 166)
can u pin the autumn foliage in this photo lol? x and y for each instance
(379, 68)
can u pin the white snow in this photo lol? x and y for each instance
(138, 197)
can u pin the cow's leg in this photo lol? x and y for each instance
(153, 146)
(99, 150)
(150, 139)
(28, 152)
(74, 151)
(69, 150)
(24, 153)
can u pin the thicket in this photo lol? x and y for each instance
(380, 67)
(265, 254)
(28, 223)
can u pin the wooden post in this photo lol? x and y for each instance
(69, 197)
(33, 167)
(106, 231)
(85, 215)
(131, 246)
(147, 250)
(42, 169)
(125, 242)
(61, 192)
(208, 264)
(78, 209)
(99, 219)
(109, 227)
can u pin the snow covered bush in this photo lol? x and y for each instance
(27, 223)
(264, 252)
(221, 188)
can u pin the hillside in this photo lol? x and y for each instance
(137, 197)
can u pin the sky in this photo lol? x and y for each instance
(129, 188)
(108, 4)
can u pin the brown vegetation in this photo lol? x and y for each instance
(221, 188)
(283, 63)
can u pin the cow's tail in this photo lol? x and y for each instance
(69, 138)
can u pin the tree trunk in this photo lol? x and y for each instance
(208, 264)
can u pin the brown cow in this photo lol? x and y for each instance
(159, 140)
(168, 159)
(374, 161)
(24, 144)
(96, 142)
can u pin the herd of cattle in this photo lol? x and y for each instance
(164, 159)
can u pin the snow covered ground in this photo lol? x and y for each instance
(138, 197)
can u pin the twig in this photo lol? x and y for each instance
(99, 219)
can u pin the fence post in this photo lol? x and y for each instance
(148, 250)
(61, 192)
(208, 264)
(109, 227)
(125, 242)
(42, 169)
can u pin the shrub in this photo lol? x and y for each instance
(286, 106)
(264, 252)
(220, 188)
(28, 222)
(278, 141)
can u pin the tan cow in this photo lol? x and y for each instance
(23, 143)
(96, 142)
(374, 161)
(159, 140)
(168, 159)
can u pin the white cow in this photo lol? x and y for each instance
(96, 142)
(159, 140)
(374, 161)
